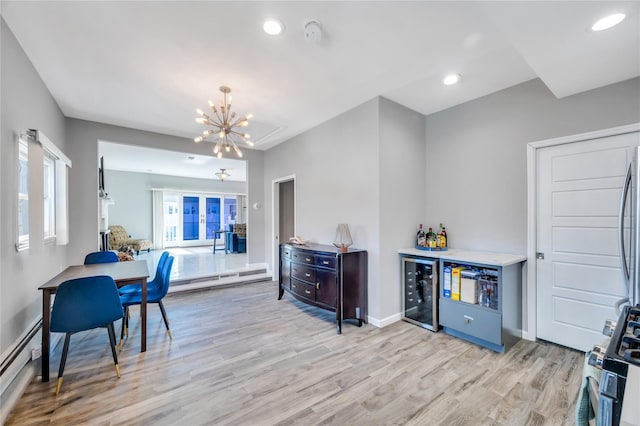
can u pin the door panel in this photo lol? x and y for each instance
(326, 292)
(212, 215)
(580, 278)
(190, 218)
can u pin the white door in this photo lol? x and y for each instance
(580, 277)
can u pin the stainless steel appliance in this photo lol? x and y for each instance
(420, 292)
(618, 393)
(618, 396)
(629, 240)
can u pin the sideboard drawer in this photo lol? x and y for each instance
(303, 272)
(303, 289)
(286, 252)
(326, 261)
(302, 257)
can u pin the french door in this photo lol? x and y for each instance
(200, 218)
(192, 219)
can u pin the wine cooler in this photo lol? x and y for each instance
(420, 292)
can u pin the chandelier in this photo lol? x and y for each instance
(222, 174)
(225, 125)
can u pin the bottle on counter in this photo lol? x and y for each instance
(421, 240)
(442, 237)
(431, 239)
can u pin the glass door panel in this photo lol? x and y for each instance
(212, 222)
(190, 218)
(171, 220)
(230, 209)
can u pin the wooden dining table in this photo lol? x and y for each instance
(123, 273)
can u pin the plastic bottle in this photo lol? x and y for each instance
(421, 240)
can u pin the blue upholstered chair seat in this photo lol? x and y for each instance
(155, 282)
(135, 297)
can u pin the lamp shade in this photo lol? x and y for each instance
(343, 237)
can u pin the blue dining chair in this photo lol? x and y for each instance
(133, 288)
(154, 295)
(155, 282)
(101, 257)
(84, 304)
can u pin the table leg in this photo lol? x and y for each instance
(143, 314)
(46, 322)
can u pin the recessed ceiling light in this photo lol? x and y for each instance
(191, 157)
(608, 22)
(451, 79)
(273, 27)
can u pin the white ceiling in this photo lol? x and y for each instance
(149, 65)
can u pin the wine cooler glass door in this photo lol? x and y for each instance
(420, 292)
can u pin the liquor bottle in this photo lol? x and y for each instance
(431, 238)
(442, 237)
(421, 238)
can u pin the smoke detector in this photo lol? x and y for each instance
(312, 31)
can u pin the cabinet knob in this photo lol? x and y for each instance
(308, 291)
(317, 286)
(467, 319)
(326, 262)
(308, 274)
(307, 259)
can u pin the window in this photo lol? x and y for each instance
(23, 193)
(54, 167)
(49, 190)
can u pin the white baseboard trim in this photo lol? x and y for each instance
(525, 336)
(385, 321)
(14, 390)
(20, 373)
(197, 285)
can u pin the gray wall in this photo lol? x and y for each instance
(364, 168)
(26, 103)
(337, 175)
(83, 139)
(476, 155)
(133, 199)
(402, 201)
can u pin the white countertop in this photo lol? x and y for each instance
(482, 257)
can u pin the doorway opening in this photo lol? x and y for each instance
(283, 215)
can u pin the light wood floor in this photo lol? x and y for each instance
(241, 357)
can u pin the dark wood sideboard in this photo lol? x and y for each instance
(323, 276)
